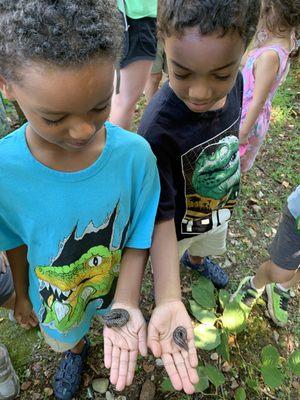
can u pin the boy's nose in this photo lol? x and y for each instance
(200, 93)
(82, 130)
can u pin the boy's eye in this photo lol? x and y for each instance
(50, 122)
(222, 77)
(178, 76)
(99, 109)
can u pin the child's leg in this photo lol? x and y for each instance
(277, 275)
(69, 373)
(212, 243)
(133, 81)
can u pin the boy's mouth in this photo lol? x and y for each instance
(199, 107)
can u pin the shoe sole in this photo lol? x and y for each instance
(233, 296)
(270, 308)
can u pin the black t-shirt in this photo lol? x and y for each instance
(198, 159)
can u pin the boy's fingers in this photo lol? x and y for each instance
(123, 369)
(115, 360)
(142, 338)
(180, 364)
(193, 357)
(107, 352)
(153, 341)
(192, 372)
(172, 371)
(131, 367)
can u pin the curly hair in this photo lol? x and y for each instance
(209, 16)
(278, 16)
(65, 33)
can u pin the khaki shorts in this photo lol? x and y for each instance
(212, 243)
(160, 62)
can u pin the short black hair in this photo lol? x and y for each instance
(65, 33)
(209, 16)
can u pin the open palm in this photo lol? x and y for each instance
(122, 345)
(179, 363)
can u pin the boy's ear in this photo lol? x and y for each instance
(6, 89)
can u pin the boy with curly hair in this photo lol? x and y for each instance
(79, 195)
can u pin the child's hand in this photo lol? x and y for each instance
(24, 313)
(243, 139)
(122, 345)
(180, 364)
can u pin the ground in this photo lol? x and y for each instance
(256, 217)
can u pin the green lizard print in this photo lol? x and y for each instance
(85, 271)
(218, 174)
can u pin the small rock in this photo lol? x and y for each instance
(25, 385)
(159, 362)
(260, 194)
(234, 384)
(27, 373)
(214, 356)
(226, 367)
(109, 396)
(226, 264)
(100, 385)
(256, 208)
(148, 391)
(152, 378)
(276, 336)
(292, 293)
(48, 391)
(121, 398)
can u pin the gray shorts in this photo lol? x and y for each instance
(285, 248)
(6, 284)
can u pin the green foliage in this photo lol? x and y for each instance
(201, 314)
(203, 383)
(214, 375)
(223, 348)
(203, 293)
(166, 385)
(270, 356)
(234, 318)
(293, 363)
(240, 394)
(207, 337)
(252, 384)
(273, 377)
(224, 297)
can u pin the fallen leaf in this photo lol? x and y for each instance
(48, 391)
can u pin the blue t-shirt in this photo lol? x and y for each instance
(76, 224)
(294, 202)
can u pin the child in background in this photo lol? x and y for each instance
(139, 53)
(192, 124)
(266, 67)
(78, 195)
(281, 272)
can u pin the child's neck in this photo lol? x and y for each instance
(59, 159)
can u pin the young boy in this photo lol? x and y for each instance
(78, 195)
(192, 126)
(281, 272)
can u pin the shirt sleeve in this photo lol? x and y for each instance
(147, 197)
(8, 237)
(166, 207)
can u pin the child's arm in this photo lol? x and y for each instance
(23, 312)
(265, 71)
(121, 345)
(170, 312)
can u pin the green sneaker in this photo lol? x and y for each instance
(245, 296)
(278, 304)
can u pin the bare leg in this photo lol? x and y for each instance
(152, 85)
(79, 347)
(196, 259)
(292, 282)
(269, 272)
(133, 81)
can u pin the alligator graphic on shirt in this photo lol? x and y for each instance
(86, 270)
